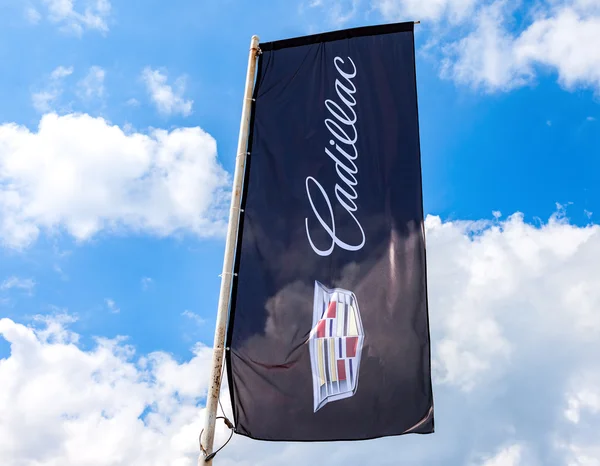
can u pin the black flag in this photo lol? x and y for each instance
(328, 334)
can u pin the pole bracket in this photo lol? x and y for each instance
(207, 456)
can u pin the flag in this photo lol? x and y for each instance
(328, 332)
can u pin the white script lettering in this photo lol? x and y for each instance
(343, 152)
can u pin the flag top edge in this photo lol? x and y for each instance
(338, 35)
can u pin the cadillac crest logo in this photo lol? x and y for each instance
(335, 344)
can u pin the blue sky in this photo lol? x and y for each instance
(509, 119)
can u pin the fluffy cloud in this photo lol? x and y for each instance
(509, 456)
(112, 306)
(499, 45)
(32, 15)
(45, 99)
(78, 15)
(62, 405)
(82, 175)
(193, 317)
(495, 58)
(168, 101)
(432, 10)
(515, 338)
(49, 97)
(92, 85)
(338, 12)
(26, 284)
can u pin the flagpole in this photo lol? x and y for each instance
(216, 372)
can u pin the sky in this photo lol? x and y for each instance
(118, 129)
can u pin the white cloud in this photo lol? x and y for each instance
(429, 10)
(62, 405)
(495, 55)
(112, 306)
(146, 282)
(338, 12)
(61, 72)
(55, 328)
(45, 99)
(515, 303)
(58, 269)
(500, 45)
(555, 40)
(32, 15)
(92, 85)
(168, 100)
(26, 284)
(78, 15)
(88, 88)
(485, 58)
(588, 455)
(582, 409)
(503, 287)
(193, 316)
(509, 456)
(81, 175)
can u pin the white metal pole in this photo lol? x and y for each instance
(212, 400)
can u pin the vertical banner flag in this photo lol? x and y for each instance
(328, 334)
